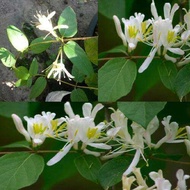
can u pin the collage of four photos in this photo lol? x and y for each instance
(95, 95)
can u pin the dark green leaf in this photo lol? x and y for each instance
(116, 79)
(168, 73)
(88, 166)
(79, 76)
(38, 87)
(78, 57)
(111, 172)
(22, 73)
(7, 58)
(68, 17)
(63, 170)
(182, 82)
(33, 67)
(141, 112)
(91, 48)
(18, 170)
(17, 38)
(20, 144)
(40, 44)
(78, 95)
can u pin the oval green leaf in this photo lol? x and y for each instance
(111, 172)
(22, 73)
(18, 170)
(141, 112)
(38, 87)
(168, 73)
(78, 95)
(7, 58)
(88, 166)
(182, 82)
(40, 44)
(33, 67)
(115, 79)
(78, 57)
(68, 17)
(17, 38)
(91, 48)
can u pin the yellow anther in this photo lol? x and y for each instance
(171, 38)
(91, 132)
(132, 30)
(39, 128)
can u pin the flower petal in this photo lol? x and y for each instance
(19, 126)
(59, 155)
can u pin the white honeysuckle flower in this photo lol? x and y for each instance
(181, 184)
(163, 35)
(84, 130)
(58, 68)
(166, 36)
(134, 30)
(172, 132)
(45, 23)
(127, 182)
(160, 182)
(40, 127)
(168, 12)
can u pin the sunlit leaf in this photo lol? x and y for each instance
(78, 57)
(68, 17)
(7, 58)
(33, 67)
(22, 73)
(17, 38)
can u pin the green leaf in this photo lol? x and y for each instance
(182, 82)
(79, 76)
(19, 170)
(78, 57)
(78, 95)
(116, 79)
(40, 44)
(141, 112)
(168, 73)
(92, 80)
(63, 170)
(22, 73)
(88, 166)
(38, 87)
(17, 38)
(91, 48)
(111, 172)
(33, 67)
(7, 58)
(68, 17)
(20, 144)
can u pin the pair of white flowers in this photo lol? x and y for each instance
(77, 132)
(58, 67)
(157, 32)
(160, 183)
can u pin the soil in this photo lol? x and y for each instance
(18, 12)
